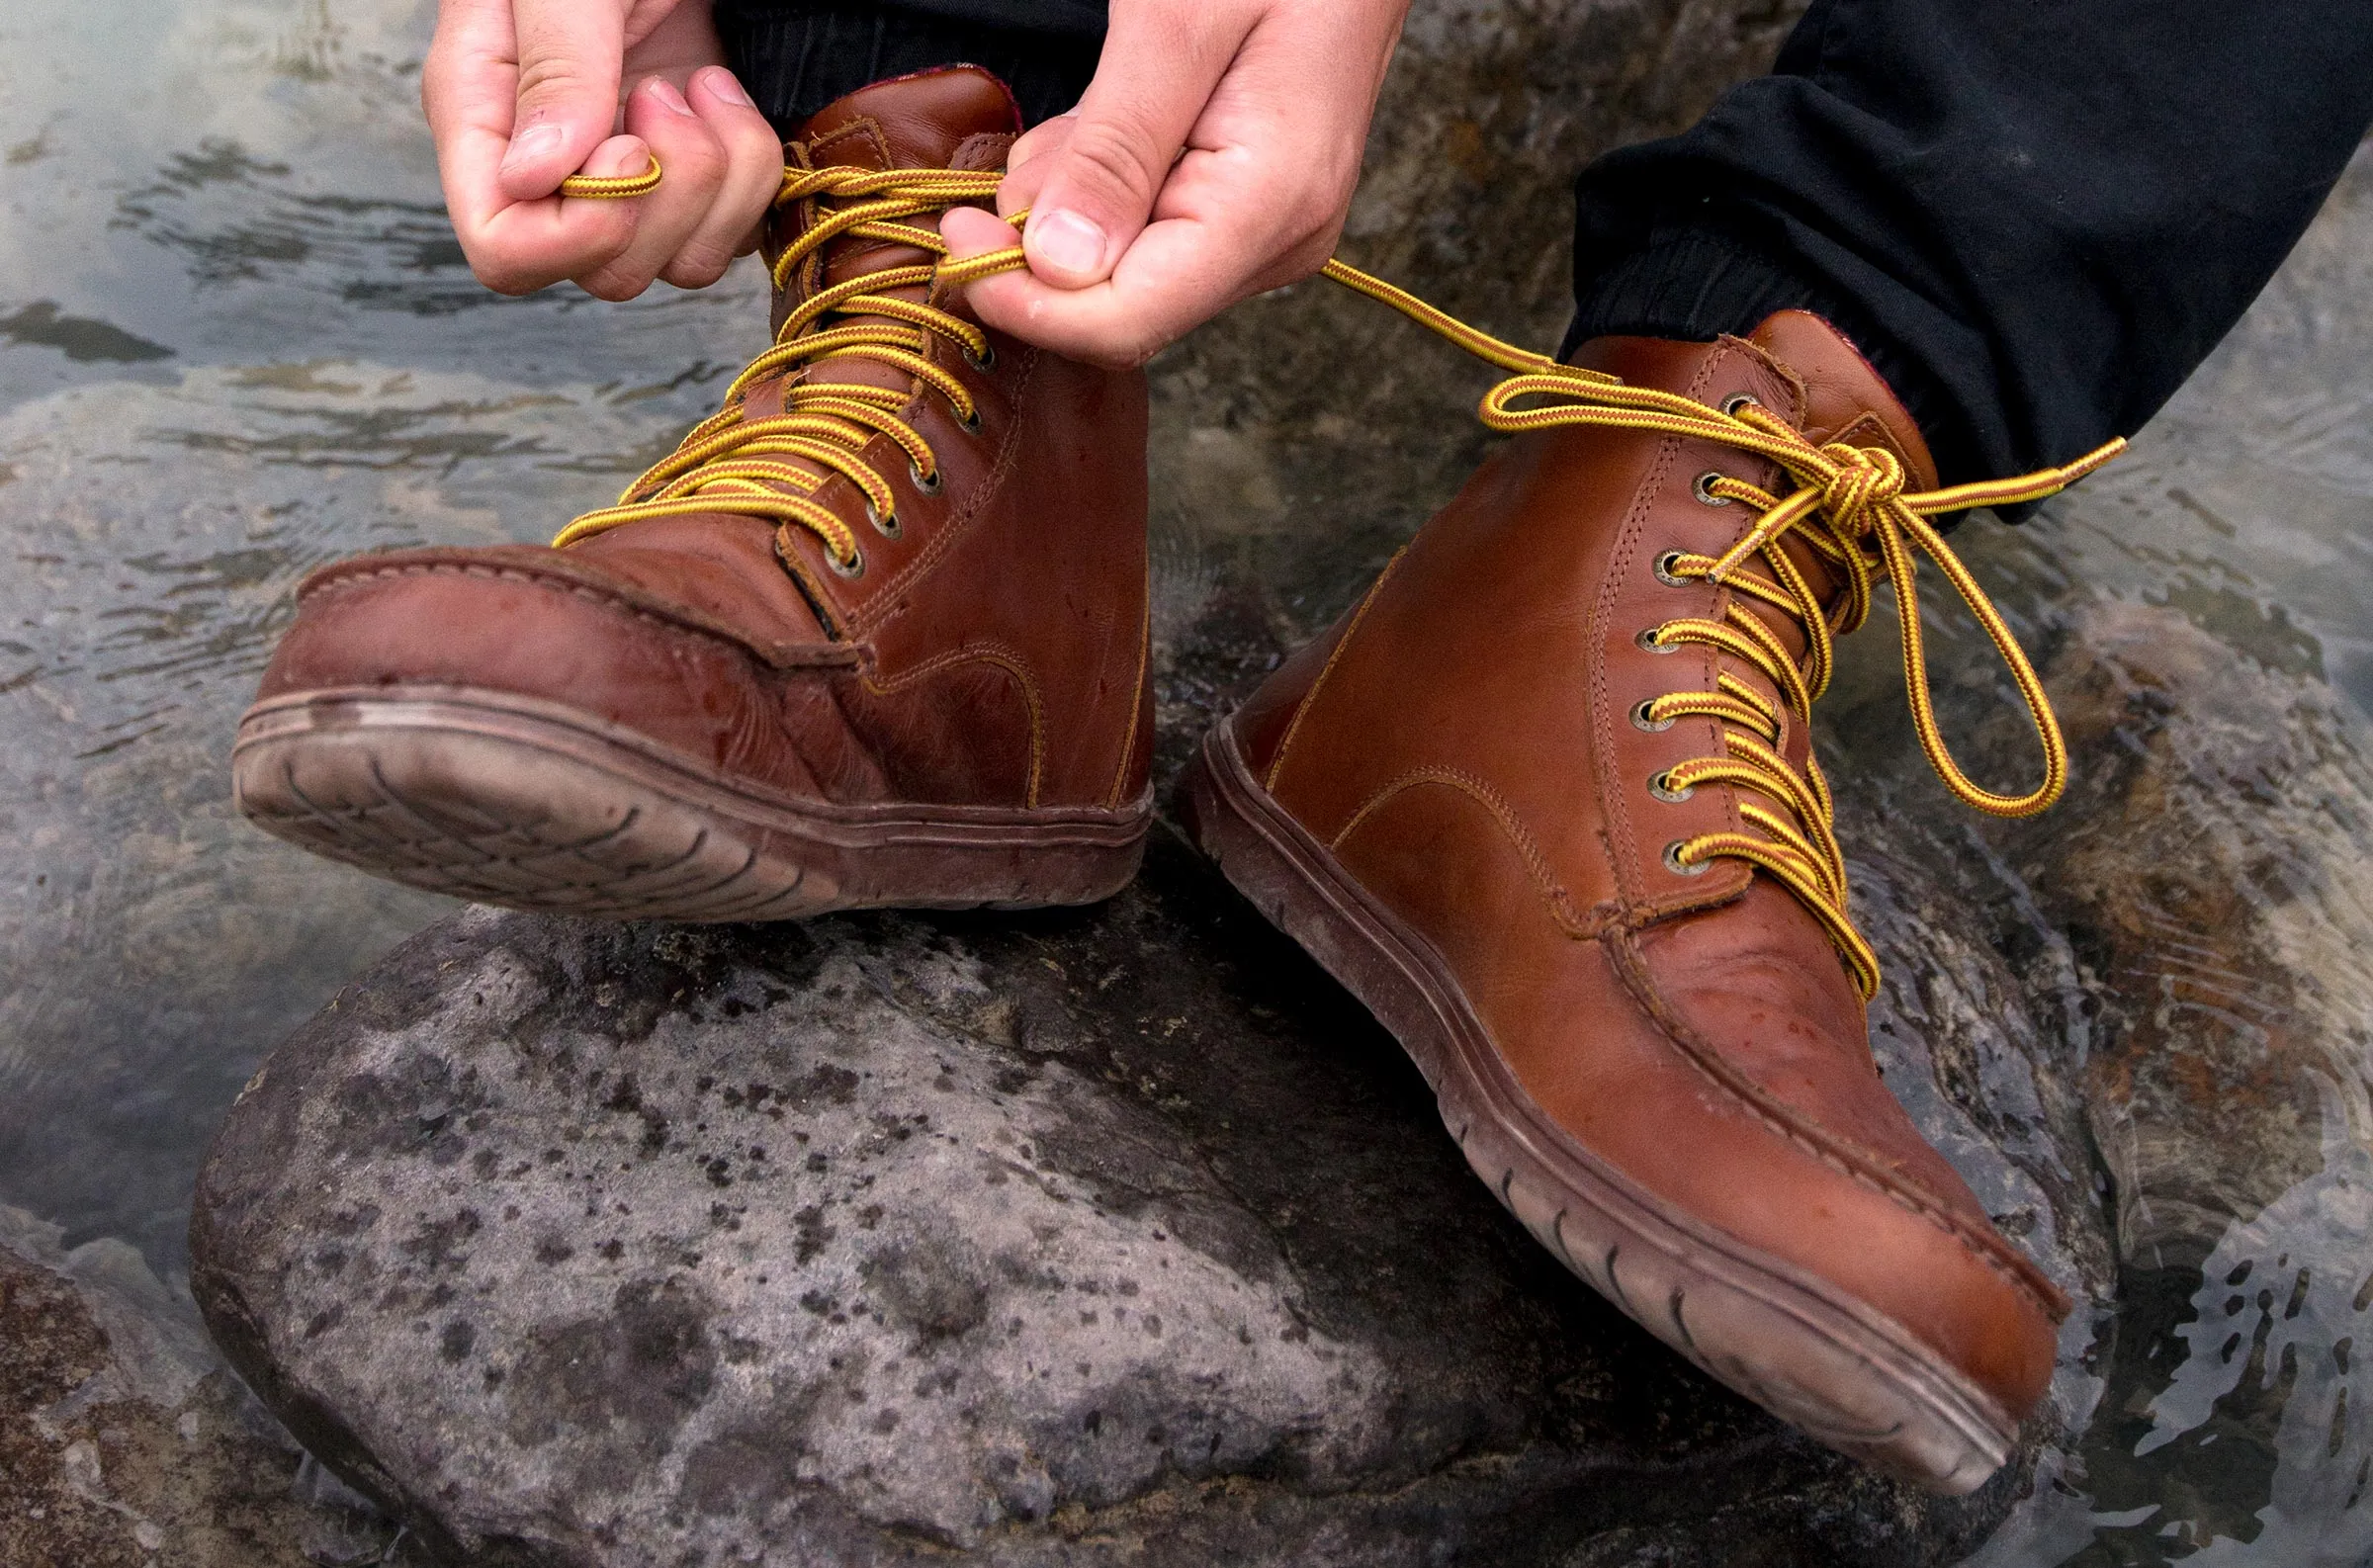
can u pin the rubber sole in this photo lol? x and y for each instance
(1847, 1375)
(531, 805)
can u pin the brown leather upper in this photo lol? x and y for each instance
(992, 650)
(1463, 741)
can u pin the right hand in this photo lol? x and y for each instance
(521, 94)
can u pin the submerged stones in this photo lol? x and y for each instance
(124, 1442)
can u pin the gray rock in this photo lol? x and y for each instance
(1117, 1234)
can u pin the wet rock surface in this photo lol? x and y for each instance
(124, 1442)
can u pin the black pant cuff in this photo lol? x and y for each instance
(1696, 283)
(796, 56)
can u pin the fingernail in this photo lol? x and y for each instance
(533, 143)
(668, 98)
(1067, 241)
(723, 84)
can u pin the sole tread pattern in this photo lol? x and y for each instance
(527, 806)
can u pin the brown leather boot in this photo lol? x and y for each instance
(875, 636)
(1545, 802)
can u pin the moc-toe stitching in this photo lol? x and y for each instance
(606, 591)
(1868, 1166)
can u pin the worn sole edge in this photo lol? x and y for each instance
(533, 805)
(1764, 1327)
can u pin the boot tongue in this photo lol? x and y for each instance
(1838, 396)
(1843, 397)
(917, 122)
(956, 117)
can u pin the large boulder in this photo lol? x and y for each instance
(1109, 1236)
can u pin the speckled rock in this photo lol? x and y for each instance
(1118, 1235)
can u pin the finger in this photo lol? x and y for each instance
(694, 162)
(753, 172)
(1212, 243)
(468, 88)
(1157, 70)
(1027, 165)
(557, 237)
(567, 95)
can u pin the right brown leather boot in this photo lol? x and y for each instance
(1545, 802)
(876, 635)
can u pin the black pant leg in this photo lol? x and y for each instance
(795, 56)
(2037, 216)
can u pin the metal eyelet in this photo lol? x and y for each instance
(1647, 640)
(970, 424)
(1659, 785)
(986, 361)
(924, 484)
(1737, 400)
(1663, 567)
(1641, 720)
(1703, 488)
(1679, 867)
(853, 567)
(888, 527)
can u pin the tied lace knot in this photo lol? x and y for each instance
(1867, 477)
(1848, 505)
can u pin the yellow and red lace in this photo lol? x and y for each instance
(1849, 506)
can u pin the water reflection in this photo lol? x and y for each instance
(237, 340)
(235, 357)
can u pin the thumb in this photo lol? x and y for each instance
(1096, 191)
(569, 56)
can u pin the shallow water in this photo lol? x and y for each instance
(236, 339)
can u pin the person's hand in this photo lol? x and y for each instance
(521, 94)
(1213, 158)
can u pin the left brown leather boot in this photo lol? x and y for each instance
(1546, 801)
(875, 635)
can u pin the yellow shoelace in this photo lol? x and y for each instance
(734, 463)
(1849, 507)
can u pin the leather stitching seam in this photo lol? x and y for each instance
(1005, 659)
(1863, 1166)
(348, 580)
(1137, 704)
(1560, 903)
(1276, 766)
(959, 519)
